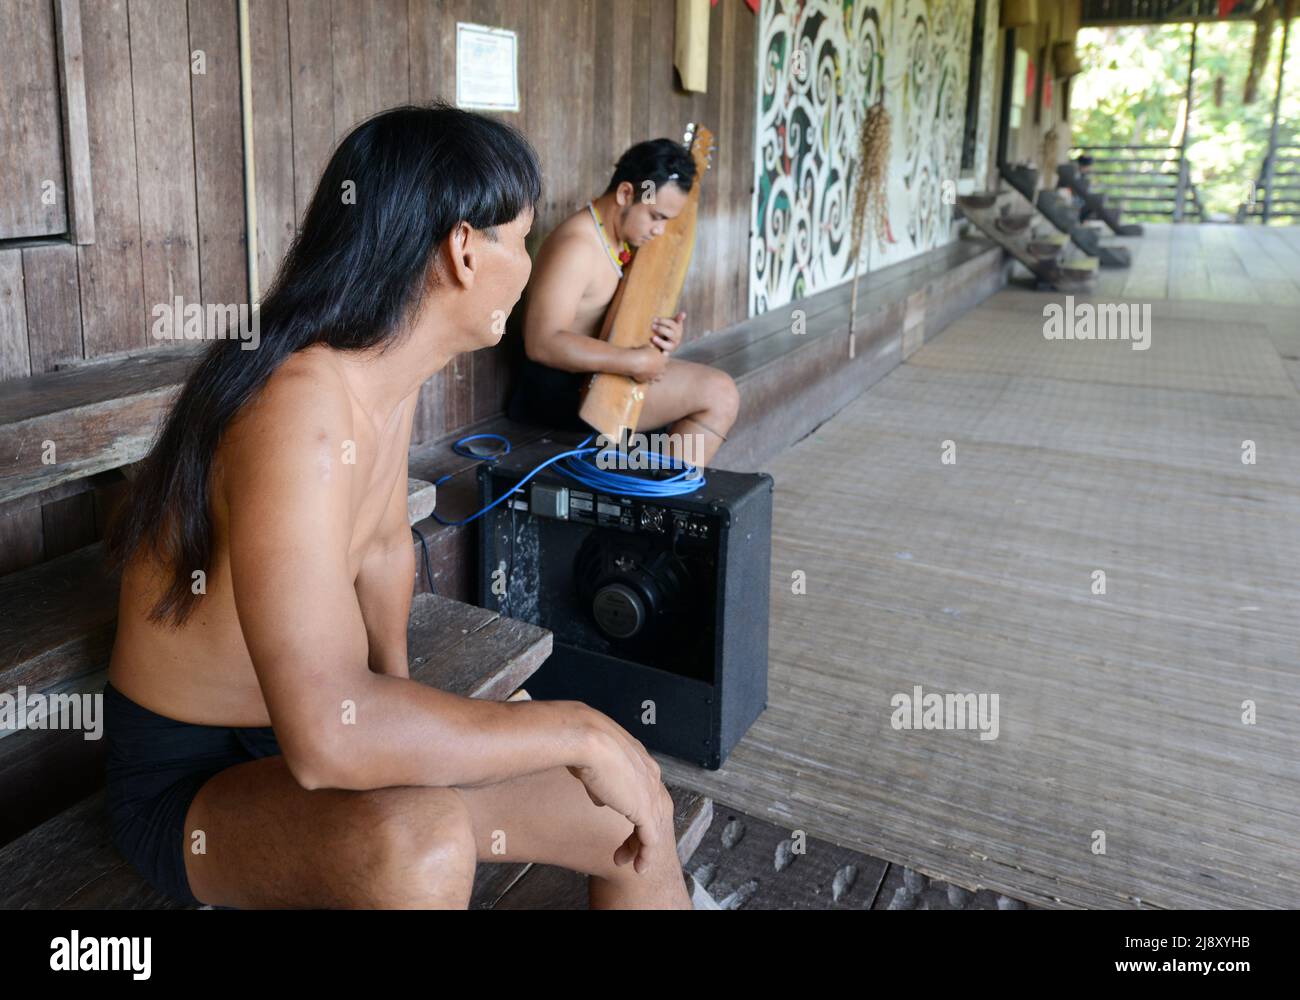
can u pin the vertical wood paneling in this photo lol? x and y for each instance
(388, 61)
(160, 80)
(53, 306)
(218, 148)
(21, 539)
(31, 139)
(20, 530)
(489, 370)
(273, 136)
(431, 39)
(371, 62)
(111, 279)
(596, 76)
(614, 79)
(76, 142)
(68, 524)
(559, 119)
(15, 360)
(311, 47)
(734, 161)
(54, 336)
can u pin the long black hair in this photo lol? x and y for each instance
(395, 187)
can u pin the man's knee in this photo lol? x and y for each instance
(724, 397)
(423, 852)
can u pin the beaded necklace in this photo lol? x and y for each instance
(624, 256)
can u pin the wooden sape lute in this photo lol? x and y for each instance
(650, 287)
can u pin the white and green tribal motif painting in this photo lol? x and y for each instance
(822, 64)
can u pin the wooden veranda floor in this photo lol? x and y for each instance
(1120, 712)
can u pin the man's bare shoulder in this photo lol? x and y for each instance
(571, 243)
(305, 402)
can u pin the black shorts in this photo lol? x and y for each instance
(547, 397)
(155, 766)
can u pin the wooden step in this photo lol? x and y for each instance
(57, 623)
(1084, 236)
(546, 887)
(421, 499)
(1096, 201)
(100, 416)
(56, 620)
(1014, 223)
(789, 384)
(1080, 268)
(68, 862)
(472, 651)
(1022, 177)
(1042, 266)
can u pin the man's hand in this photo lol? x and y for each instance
(647, 363)
(668, 332)
(617, 771)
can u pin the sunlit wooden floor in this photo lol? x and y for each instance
(1120, 714)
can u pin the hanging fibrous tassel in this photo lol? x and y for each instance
(870, 208)
(870, 204)
(1264, 21)
(1048, 153)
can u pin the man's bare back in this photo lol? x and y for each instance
(202, 671)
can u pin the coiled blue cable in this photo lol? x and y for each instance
(586, 470)
(579, 464)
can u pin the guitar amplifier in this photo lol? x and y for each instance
(659, 607)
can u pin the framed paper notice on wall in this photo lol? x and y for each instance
(486, 68)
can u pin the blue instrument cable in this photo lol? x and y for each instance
(580, 465)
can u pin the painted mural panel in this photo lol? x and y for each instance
(822, 64)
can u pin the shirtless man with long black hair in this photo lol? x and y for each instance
(267, 747)
(579, 268)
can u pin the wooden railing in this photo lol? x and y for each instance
(1150, 183)
(1276, 192)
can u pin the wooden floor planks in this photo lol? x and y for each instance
(1119, 712)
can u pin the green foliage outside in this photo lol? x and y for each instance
(1132, 87)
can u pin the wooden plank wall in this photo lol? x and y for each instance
(165, 150)
(596, 76)
(167, 182)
